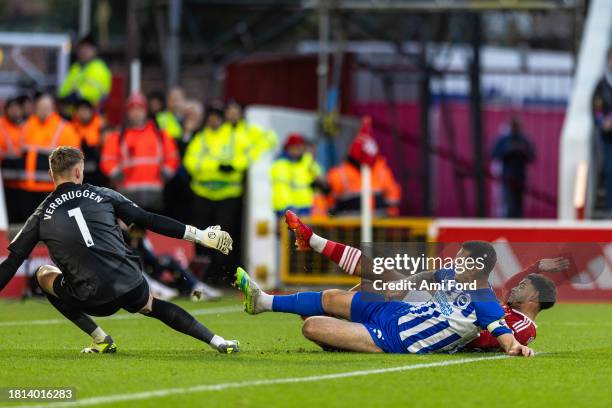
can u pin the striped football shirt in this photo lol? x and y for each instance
(451, 319)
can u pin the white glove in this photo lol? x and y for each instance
(211, 237)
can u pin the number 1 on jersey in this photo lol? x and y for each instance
(78, 216)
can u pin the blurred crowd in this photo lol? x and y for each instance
(172, 155)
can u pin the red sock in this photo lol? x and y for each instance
(345, 256)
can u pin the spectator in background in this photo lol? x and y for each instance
(171, 120)
(295, 174)
(194, 115)
(12, 158)
(89, 77)
(88, 126)
(140, 157)
(345, 184)
(602, 113)
(217, 159)
(514, 150)
(27, 105)
(179, 185)
(42, 132)
(261, 140)
(157, 104)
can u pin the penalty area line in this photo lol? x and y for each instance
(195, 312)
(144, 395)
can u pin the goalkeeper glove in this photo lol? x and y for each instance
(212, 237)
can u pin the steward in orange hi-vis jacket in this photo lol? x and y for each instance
(12, 159)
(345, 181)
(42, 132)
(11, 145)
(140, 157)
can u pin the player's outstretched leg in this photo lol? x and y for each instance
(330, 302)
(101, 342)
(180, 320)
(345, 256)
(337, 334)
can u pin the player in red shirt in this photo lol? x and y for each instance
(527, 294)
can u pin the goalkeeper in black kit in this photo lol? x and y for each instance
(96, 273)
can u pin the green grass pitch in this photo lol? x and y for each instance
(38, 349)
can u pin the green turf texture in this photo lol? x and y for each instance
(575, 369)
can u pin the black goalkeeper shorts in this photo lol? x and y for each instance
(133, 301)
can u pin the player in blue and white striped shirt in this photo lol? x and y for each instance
(361, 321)
(450, 320)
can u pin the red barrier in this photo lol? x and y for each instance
(519, 244)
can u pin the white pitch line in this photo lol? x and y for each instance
(197, 312)
(107, 399)
(570, 323)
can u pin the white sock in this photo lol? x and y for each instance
(317, 243)
(216, 341)
(98, 335)
(264, 302)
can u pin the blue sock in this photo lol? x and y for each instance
(304, 304)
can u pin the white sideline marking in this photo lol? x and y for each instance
(577, 323)
(197, 312)
(107, 399)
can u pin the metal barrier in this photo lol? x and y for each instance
(310, 268)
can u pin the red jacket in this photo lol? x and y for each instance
(139, 159)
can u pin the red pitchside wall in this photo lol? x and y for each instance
(522, 243)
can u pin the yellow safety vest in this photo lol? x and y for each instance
(91, 81)
(292, 182)
(207, 151)
(168, 122)
(261, 140)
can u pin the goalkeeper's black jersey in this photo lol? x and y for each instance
(78, 223)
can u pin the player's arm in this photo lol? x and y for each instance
(552, 265)
(130, 213)
(512, 347)
(487, 342)
(19, 250)
(8, 268)
(490, 317)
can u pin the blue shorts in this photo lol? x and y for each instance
(380, 318)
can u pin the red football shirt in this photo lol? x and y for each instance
(524, 330)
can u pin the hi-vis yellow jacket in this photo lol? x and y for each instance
(261, 140)
(168, 122)
(217, 161)
(292, 183)
(91, 81)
